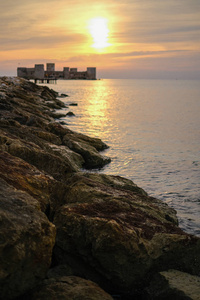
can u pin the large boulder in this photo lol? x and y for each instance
(68, 288)
(88, 148)
(28, 178)
(173, 284)
(44, 160)
(119, 237)
(92, 159)
(26, 242)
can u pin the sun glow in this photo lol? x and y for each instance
(99, 31)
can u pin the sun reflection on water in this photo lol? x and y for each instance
(97, 109)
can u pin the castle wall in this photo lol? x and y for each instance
(73, 69)
(27, 73)
(78, 75)
(22, 72)
(30, 72)
(50, 67)
(38, 72)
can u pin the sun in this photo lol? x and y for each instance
(99, 31)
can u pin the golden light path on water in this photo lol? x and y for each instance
(97, 109)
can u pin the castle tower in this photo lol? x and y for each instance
(91, 73)
(39, 72)
(66, 73)
(50, 67)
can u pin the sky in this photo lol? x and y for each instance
(134, 39)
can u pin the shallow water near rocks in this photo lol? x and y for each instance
(153, 130)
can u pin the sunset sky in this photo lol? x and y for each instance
(133, 39)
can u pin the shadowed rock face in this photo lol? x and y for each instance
(26, 242)
(173, 284)
(122, 235)
(108, 229)
(70, 287)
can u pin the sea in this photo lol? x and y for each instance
(152, 128)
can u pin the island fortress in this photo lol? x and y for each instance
(38, 72)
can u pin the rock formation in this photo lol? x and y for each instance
(68, 233)
(173, 284)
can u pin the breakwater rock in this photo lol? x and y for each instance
(66, 233)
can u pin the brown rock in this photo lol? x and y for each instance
(44, 160)
(93, 142)
(89, 153)
(26, 242)
(70, 114)
(68, 288)
(26, 177)
(173, 284)
(115, 182)
(118, 237)
(46, 136)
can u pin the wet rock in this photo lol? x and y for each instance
(57, 116)
(73, 104)
(63, 123)
(70, 114)
(90, 155)
(88, 148)
(118, 237)
(93, 142)
(62, 95)
(69, 288)
(174, 284)
(56, 104)
(67, 134)
(26, 242)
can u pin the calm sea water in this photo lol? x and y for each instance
(153, 130)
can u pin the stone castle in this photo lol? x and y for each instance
(38, 72)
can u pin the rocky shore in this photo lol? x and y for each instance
(70, 234)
